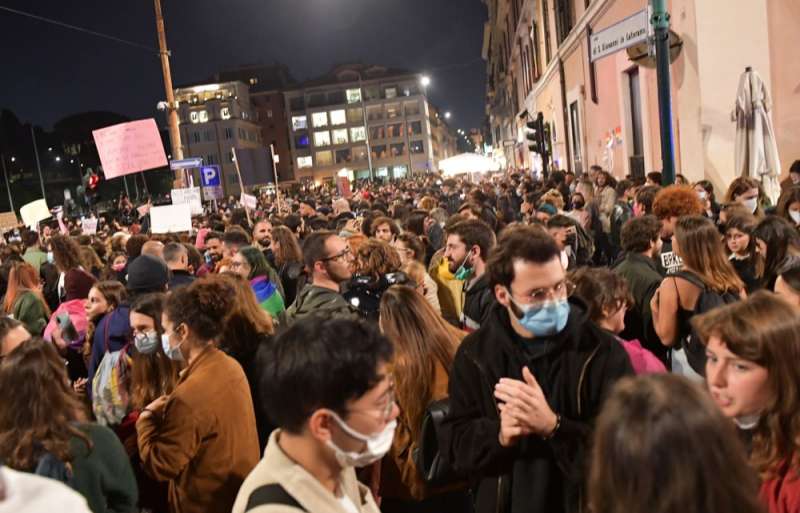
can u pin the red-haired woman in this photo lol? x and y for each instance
(24, 299)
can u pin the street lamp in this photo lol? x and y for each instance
(447, 115)
(13, 159)
(425, 81)
(58, 159)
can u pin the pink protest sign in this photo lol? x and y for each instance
(129, 147)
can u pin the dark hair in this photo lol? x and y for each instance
(791, 276)
(560, 221)
(314, 248)
(154, 374)
(622, 187)
(310, 202)
(520, 242)
(319, 363)
(235, 238)
(30, 238)
(255, 259)
(133, 247)
(202, 306)
(788, 196)
(781, 239)
(288, 248)
(795, 167)
(194, 256)
(646, 195)
(413, 243)
(601, 289)
(173, 251)
(473, 232)
(6, 325)
(639, 232)
(708, 187)
(655, 177)
(66, 252)
(415, 223)
(151, 305)
(378, 221)
(213, 235)
(663, 425)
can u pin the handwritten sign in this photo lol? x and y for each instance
(249, 201)
(190, 195)
(129, 147)
(171, 218)
(34, 212)
(89, 225)
(8, 221)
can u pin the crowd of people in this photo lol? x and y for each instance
(577, 343)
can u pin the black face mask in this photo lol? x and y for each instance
(578, 204)
(571, 239)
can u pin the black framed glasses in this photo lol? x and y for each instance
(338, 256)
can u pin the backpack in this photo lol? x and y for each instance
(708, 300)
(432, 467)
(110, 384)
(271, 494)
(51, 467)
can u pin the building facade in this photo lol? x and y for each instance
(370, 120)
(215, 118)
(606, 112)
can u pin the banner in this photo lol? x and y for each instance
(8, 221)
(190, 195)
(213, 193)
(171, 218)
(255, 166)
(249, 201)
(34, 212)
(129, 147)
(343, 187)
(89, 225)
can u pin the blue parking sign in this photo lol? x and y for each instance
(209, 176)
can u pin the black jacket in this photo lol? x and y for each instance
(576, 371)
(180, 278)
(478, 302)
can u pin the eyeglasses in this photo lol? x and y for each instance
(561, 290)
(385, 409)
(344, 253)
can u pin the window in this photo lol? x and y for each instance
(232, 179)
(211, 159)
(252, 136)
(269, 113)
(324, 158)
(242, 134)
(344, 156)
(564, 19)
(372, 93)
(355, 115)
(353, 95)
(417, 147)
(379, 152)
(375, 113)
(358, 133)
(319, 119)
(395, 130)
(194, 116)
(412, 108)
(574, 120)
(229, 133)
(297, 103)
(301, 141)
(398, 149)
(382, 172)
(245, 115)
(360, 153)
(225, 113)
(637, 157)
(336, 98)
(415, 128)
(208, 136)
(338, 117)
(203, 116)
(546, 27)
(340, 136)
(196, 137)
(304, 162)
(391, 92)
(299, 123)
(392, 110)
(399, 171)
(322, 138)
(377, 132)
(316, 100)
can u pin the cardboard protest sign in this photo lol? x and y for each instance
(129, 147)
(8, 221)
(171, 218)
(249, 201)
(189, 195)
(89, 225)
(34, 212)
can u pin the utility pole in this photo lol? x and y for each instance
(172, 112)
(38, 163)
(8, 185)
(660, 22)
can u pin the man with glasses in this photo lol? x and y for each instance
(328, 260)
(326, 384)
(527, 385)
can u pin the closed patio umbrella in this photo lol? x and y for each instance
(756, 150)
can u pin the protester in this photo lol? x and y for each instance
(24, 299)
(510, 412)
(788, 285)
(202, 437)
(670, 204)
(33, 250)
(249, 263)
(147, 274)
(742, 250)
(383, 228)
(287, 261)
(262, 234)
(746, 190)
(376, 267)
(752, 374)
(343, 416)
(176, 257)
(410, 248)
(661, 425)
(778, 244)
(53, 438)
(469, 246)
(424, 348)
(109, 327)
(12, 335)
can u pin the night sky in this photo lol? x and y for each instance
(51, 72)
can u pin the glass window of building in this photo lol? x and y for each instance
(338, 117)
(344, 156)
(319, 119)
(317, 100)
(412, 108)
(340, 136)
(196, 137)
(399, 171)
(372, 93)
(392, 110)
(229, 133)
(417, 147)
(379, 152)
(398, 149)
(395, 130)
(209, 135)
(337, 98)
(194, 116)
(377, 132)
(358, 133)
(355, 115)
(375, 113)
(297, 103)
(415, 128)
(304, 162)
(359, 153)
(225, 113)
(382, 172)
(324, 158)
(322, 138)
(391, 92)
(353, 95)
(299, 123)
(301, 141)
(242, 134)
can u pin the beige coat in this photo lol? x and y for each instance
(276, 467)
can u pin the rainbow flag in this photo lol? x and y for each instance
(267, 295)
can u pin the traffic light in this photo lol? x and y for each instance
(539, 138)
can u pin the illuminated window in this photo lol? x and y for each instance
(391, 92)
(344, 156)
(417, 147)
(299, 123)
(324, 158)
(301, 141)
(360, 153)
(319, 119)
(355, 115)
(225, 113)
(353, 95)
(338, 117)
(382, 171)
(304, 162)
(392, 110)
(340, 136)
(194, 116)
(322, 138)
(358, 133)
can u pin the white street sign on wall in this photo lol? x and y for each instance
(628, 32)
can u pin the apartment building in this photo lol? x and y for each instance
(606, 112)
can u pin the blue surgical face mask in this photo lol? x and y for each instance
(173, 353)
(545, 319)
(50, 257)
(464, 273)
(146, 343)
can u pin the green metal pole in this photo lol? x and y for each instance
(660, 22)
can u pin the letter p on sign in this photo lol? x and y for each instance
(210, 176)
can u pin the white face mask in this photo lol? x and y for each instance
(751, 205)
(173, 353)
(795, 215)
(377, 445)
(703, 195)
(747, 422)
